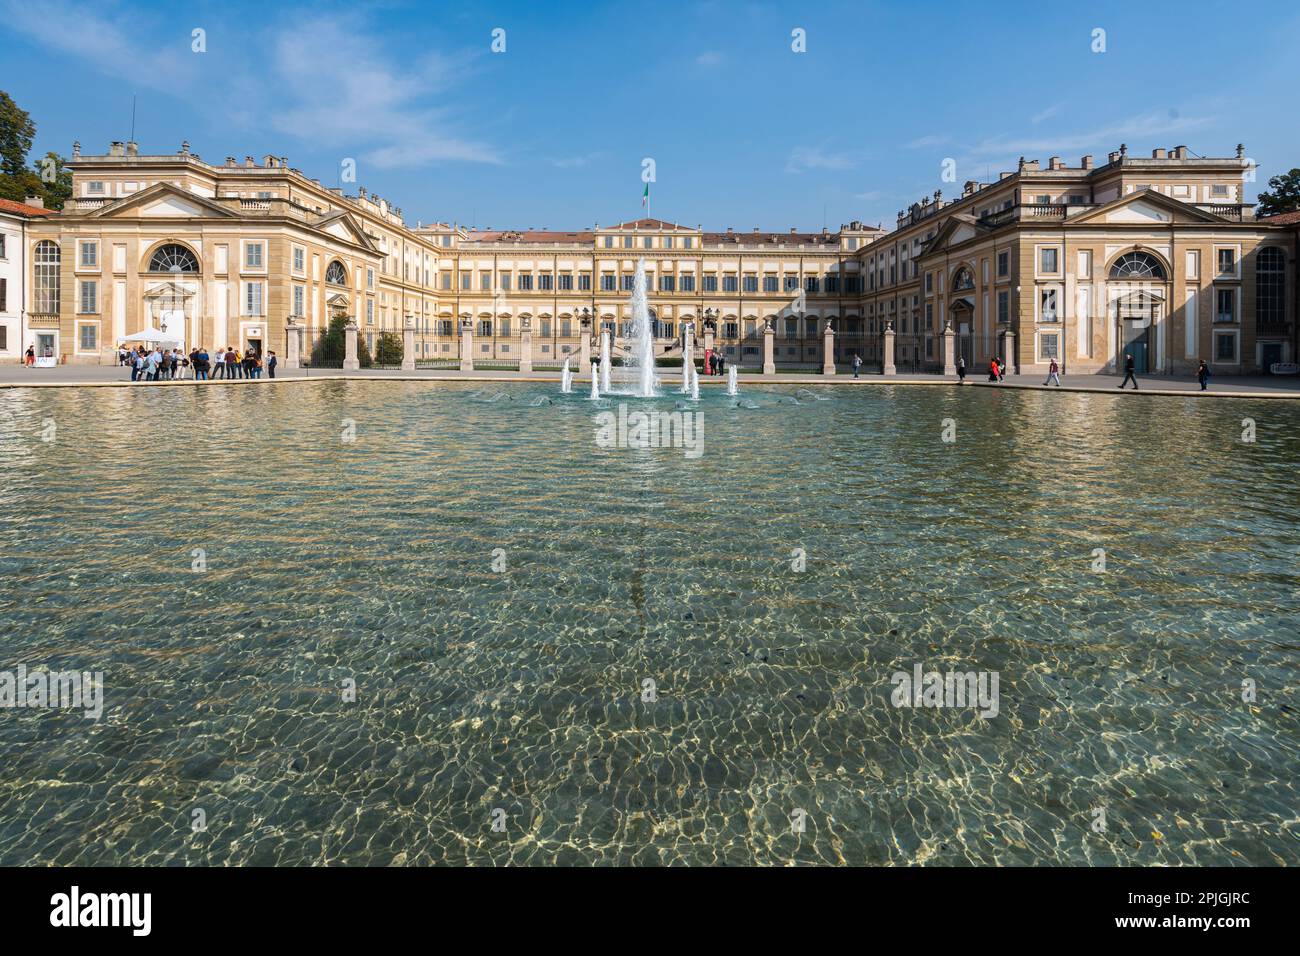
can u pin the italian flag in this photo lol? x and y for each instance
(645, 196)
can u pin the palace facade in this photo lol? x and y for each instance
(1159, 257)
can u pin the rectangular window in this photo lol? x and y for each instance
(668, 242)
(729, 284)
(1193, 263)
(252, 298)
(89, 254)
(4, 296)
(811, 284)
(370, 311)
(253, 255)
(505, 328)
(1227, 262)
(1049, 347)
(730, 330)
(299, 300)
(546, 328)
(791, 328)
(1047, 300)
(688, 283)
(89, 297)
(1225, 347)
(1004, 308)
(546, 281)
(465, 280)
(1219, 189)
(370, 279)
(607, 281)
(485, 282)
(667, 283)
(647, 243)
(751, 283)
(584, 282)
(1083, 264)
(833, 284)
(4, 338)
(609, 242)
(1227, 305)
(711, 283)
(771, 283)
(627, 242)
(2, 247)
(504, 279)
(791, 283)
(87, 337)
(1004, 264)
(299, 260)
(1048, 261)
(929, 282)
(444, 281)
(628, 282)
(525, 282)
(688, 242)
(485, 328)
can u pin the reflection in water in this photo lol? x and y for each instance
(372, 561)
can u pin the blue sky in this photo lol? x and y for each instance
(744, 131)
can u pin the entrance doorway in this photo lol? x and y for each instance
(1137, 344)
(1270, 354)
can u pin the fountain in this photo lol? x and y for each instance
(643, 334)
(695, 384)
(604, 360)
(688, 362)
(595, 386)
(731, 380)
(566, 377)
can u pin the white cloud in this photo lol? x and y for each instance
(1107, 137)
(926, 141)
(1047, 113)
(804, 158)
(709, 58)
(579, 161)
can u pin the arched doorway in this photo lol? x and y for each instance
(1138, 298)
(172, 293)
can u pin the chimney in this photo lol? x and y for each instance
(76, 150)
(133, 148)
(756, 230)
(35, 202)
(728, 230)
(230, 160)
(1055, 163)
(1180, 152)
(793, 230)
(249, 162)
(1159, 154)
(284, 160)
(116, 148)
(185, 148)
(1113, 157)
(1087, 162)
(969, 188)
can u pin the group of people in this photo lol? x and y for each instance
(714, 362)
(164, 364)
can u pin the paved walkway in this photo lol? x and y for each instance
(17, 376)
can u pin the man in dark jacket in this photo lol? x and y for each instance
(1128, 372)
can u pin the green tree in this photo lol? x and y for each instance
(1283, 195)
(388, 349)
(16, 132)
(54, 179)
(330, 348)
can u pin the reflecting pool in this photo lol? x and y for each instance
(415, 623)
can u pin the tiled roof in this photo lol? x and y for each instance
(1281, 219)
(650, 224)
(528, 235)
(22, 209)
(771, 238)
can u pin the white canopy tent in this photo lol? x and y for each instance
(150, 334)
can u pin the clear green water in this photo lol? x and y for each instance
(520, 689)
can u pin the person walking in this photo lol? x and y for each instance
(1128, 372)
(857, 364)
(961, 370)
(1202, 375)
(993, 369)
(1053, 374)
(271, 363)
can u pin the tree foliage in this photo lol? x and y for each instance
(47, 178)
(1283, 195)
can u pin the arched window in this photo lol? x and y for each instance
(47, 258)
(335, 273)
(1270, 286)
(962, 280)
(1137, 265)
(173, 258)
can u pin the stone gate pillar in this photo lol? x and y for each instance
(949, 350)
(887, 363)
(293, 344)
(769, 348)
(526, 345)
(408, 345)
(828, 349)
(1009, 352)
(466, 345)
(350, 361)
(584, 350)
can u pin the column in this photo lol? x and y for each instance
(828, 349)
(888, 366)
(466, 345)
(293, 344)
(526, 345)
(769, 349)
(1009, 352)
(584, 351)
(949, 350)
(708, 337)
(350, 360)
(408, 345)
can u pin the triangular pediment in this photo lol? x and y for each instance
(1144, 207)
(959, 228)
(162, 201)
(341, 225)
